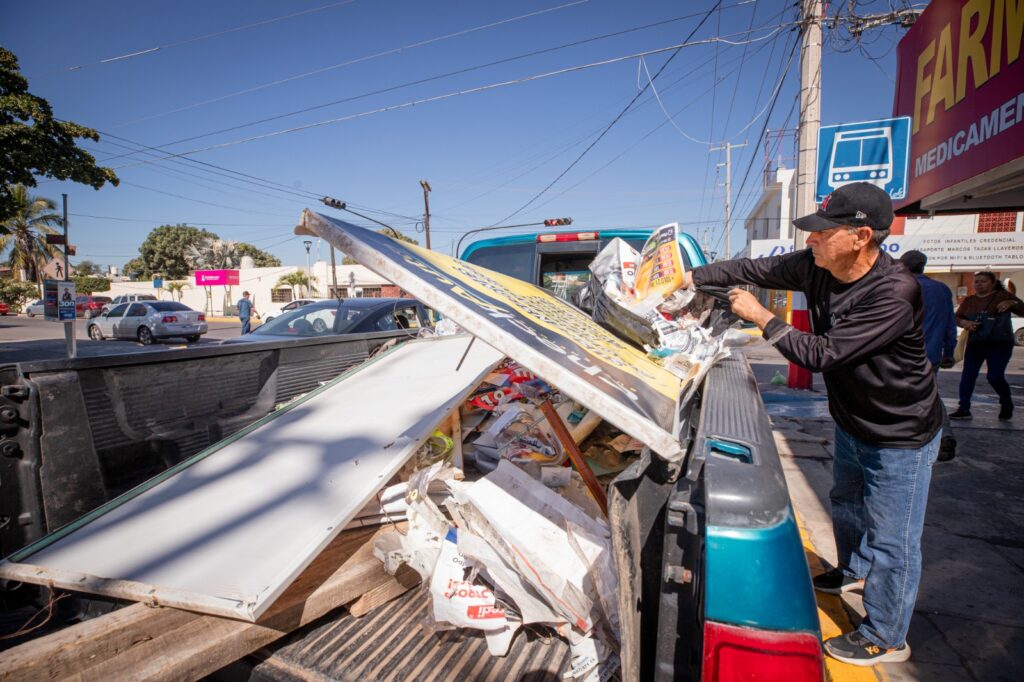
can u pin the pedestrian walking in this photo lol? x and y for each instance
(986, 317)
(867, 341)
(939, 334)
(245, 312)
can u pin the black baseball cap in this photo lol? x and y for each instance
(857, 204)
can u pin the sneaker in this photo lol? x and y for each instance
(947, 449)
(1006, 412)
(961, 413)
(836, 582)
(855, 649)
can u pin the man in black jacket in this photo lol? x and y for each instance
(867, 341)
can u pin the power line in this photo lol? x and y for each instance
(162, 147)
(350, 62)
(437, 98)
(775, 99)
(565, 147)
(692, 101)
(742, 130)
(614, 120)
(200, 201)
(164, 222)
(214, 168)
(187, 41)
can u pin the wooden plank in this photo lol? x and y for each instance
(405, 579)
(131, 638)
(57, 655)
(456, 434)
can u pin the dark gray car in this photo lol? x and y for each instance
(346, 316)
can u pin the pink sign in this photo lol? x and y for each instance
(212, 278)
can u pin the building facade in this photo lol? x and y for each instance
(957, 246)
(263, 284)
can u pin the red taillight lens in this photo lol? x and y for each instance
(567, 237)
(202, 317)
(733, 653)
(168, 319)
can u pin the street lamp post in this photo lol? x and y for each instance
(309, 273)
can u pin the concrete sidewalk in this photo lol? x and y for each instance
(969, 620)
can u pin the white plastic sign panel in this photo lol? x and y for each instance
(544, 333)
(230, 530)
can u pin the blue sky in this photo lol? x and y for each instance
(486, 154)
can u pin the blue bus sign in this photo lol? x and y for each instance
(870, 151)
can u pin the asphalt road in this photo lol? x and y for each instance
(24, 339)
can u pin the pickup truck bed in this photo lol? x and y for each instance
(391, 644)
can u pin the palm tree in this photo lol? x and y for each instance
(176, 289)
(26, 234)
(296, 279)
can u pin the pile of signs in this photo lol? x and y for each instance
(513, 551)
(639, 296)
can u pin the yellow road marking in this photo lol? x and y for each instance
(834, 622)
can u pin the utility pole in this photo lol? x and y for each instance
(334, 274)
(807, 159)
(69, 325)
(426, 210)
(728, 147)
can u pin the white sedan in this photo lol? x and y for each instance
(148, 321)
(268, 315)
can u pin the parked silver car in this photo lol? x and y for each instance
(36, 308)
(148, 321)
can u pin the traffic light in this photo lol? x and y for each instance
(333, 203)
(557, 222)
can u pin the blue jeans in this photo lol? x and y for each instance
(997, 357)
(878, 499)
(245, 324)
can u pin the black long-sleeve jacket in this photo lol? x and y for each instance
(866, 340)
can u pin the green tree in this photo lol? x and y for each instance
(165, 252)
(297, 279)
(176, 289)
(25, 241)
(214, 254)
(260, 258)
(387, 232)
(134, 268)
(88, 284)
(87, 267)
(16, 294)
(33, 142)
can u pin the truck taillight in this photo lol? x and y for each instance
(567, 237)
(202, 317)
(733, 653)
(167, 319)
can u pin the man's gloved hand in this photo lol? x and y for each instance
(947, 362)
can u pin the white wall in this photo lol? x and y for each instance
(258, 281)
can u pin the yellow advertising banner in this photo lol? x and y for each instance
(547, 335)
